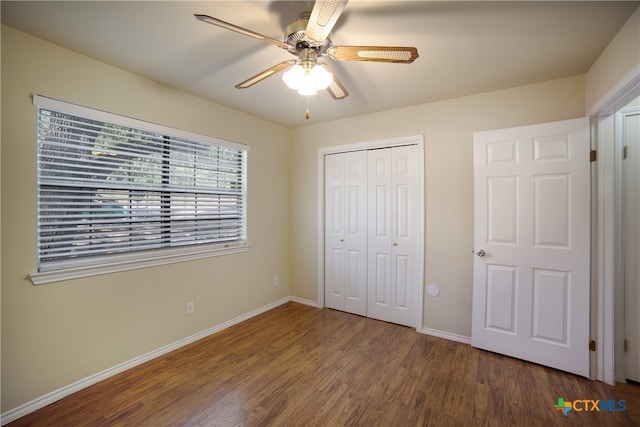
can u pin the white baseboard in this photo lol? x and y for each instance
(63, 392)
(446, 335)
(304, 301)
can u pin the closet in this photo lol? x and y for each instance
(373, 221)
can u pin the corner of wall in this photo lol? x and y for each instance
(618, 63)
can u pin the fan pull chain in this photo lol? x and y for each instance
(307, 114)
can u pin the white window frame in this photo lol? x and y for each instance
(70, 268)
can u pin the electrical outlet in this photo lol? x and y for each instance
(276, 281)
(190, 307)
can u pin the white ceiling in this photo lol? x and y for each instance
(465, 47)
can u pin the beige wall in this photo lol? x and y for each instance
(618, 59)
(56, 334)
(448, 128)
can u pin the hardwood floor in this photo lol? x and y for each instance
(301, 366)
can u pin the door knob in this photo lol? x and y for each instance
(481, 253)
(395, 244)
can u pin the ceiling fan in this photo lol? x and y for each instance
(308, 39)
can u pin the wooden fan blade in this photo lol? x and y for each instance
(336, 89)
(397, 54)
(264, 74)
(220, 23)
(323, 17)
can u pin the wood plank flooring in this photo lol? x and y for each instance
(301, 366)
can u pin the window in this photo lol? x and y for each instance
(113, 191)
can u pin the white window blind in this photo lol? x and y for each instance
(111, 185)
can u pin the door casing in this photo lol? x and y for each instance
(366, 145)
(604, 305)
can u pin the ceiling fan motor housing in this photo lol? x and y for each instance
(295, 35)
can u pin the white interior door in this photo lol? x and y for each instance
(394, 225)
(631, 140)
(346, 232)
(531, 236)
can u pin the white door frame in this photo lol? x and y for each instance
(382, 143)
(603, 305)
(620, 320)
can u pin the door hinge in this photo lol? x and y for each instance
(625, 151)
(593, 156)
(626, 345)
(592, 345)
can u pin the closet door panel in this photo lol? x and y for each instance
(334, 231)
(380, 235)
(346, 232)
(356, 232)
(406, 217)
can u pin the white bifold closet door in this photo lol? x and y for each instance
(372, 225)
(394, 223)
(346, 232)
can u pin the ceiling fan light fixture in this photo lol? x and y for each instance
(307, 87)
(307, 79)
(307, 76)
(321, 77)
(293, 77)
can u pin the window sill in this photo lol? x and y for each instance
(126, 263)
